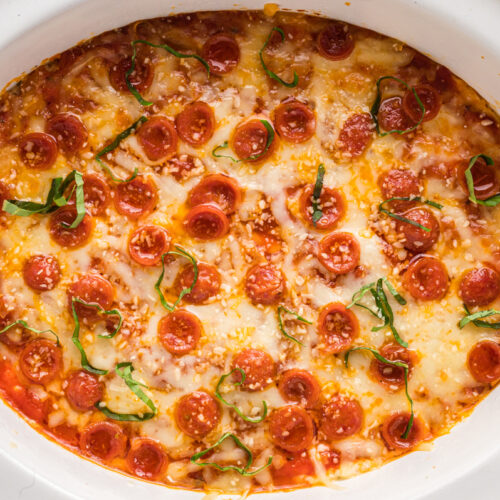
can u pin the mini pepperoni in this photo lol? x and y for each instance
(148, 243)
(206, 222)
(415, 238)
(330, 458)
(222, 53)
(484, 179)
(103, 440)
(394, 427)
(196, 123)
(40, 361)
(339, 252)
(397, 183)
(147, 459)
(426, 278)
(207, 285)
(249, 141)
(179, 331)
(38, 150)
(136, 198)
(294, 121)
(41, 272)
(356, 134)
(96, 194)
(69, 131)
(429, 97)
(141, 78)
(259, 368)
(483, 362)
(264, 284)
(93, 289)
(299, 386)
(291, 428)
(158, 138)
(480, 287)
(64, 235)
(83, 390)
(331, 204)
(341, 417)
(295, 467)
(390, 376)
(337, 327)
(335, 42)
(391, 115)
(220, 189)
(197, 414)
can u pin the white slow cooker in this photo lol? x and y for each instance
(461, 34)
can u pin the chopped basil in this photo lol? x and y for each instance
(318, 187)
(475, 319)
(116, 142)
(241, 470)
(23, 323)
(378, 99)
(281, 326)
(492, 201)
(270, 73)
(218, 395)
(225, 144)
(124, 371)
(393, 363)
(182, 253)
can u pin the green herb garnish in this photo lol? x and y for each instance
(393, 363)
(281, 326)
(218, 395)
(23, 323)
(270, 73)
(124, 371)
(318, 187)
(243, 471)
(116, 142)
(492, 201)
(378, 99)
(182, 253)
(431, 203)
(475, 319)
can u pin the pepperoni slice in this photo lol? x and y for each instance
(69, 131)
(330, 458)
(93, 289)
(197, 414)
(426, 278)
(480, 287)
(291, 428)
(429, 97)
(259, 368)
(394, 427)
(148, 243)
(40, 361)
(103, 440)
(136, 198)
(196, 123)
(337, 327)
(294, 121)
(335, 42)
(390, 376)
(83, 390)
(141, 78)
(299, 386)
(206, 222)
(41, 272)
(415, 238)
(64, 235)
(295, 467)
(483, 362)
(339, 252)
(398, 183)
(96, 194)
(264, 284)
(483, 177)
(341, 417)
(222, 53)
(391, 115)
(220, 189)
(158, 138)
(179, 331)
(331, 204)
(356, 134)
(38, 150)
(146, 459)
(207, 285)
(249, 141)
